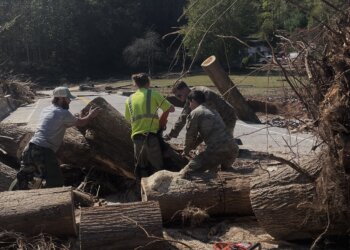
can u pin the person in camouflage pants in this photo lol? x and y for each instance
(207, 124)
(43, 163)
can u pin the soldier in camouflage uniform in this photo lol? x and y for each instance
(206, 123)
(213, 101)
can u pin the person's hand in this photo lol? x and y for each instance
(167, 137)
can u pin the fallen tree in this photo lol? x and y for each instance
(224, 194)
(229, 90)
(38, 211)
(124, 226)
(7, 175)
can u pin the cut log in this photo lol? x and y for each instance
(41, 210)
(7, 175)
(229, 90)
(285, 205)
(123, 226)
(224, 194)
(14, 139)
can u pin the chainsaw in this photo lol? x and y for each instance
(236, 246)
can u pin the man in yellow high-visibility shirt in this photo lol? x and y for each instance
(141, 109)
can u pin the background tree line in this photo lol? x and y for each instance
(107, 37)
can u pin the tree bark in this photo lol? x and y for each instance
(41, 210)
(286, 206)
(7, 175)
(122, 226)
(229, 90)
(14, 139)
(224, 194)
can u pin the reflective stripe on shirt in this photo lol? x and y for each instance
(148, 113)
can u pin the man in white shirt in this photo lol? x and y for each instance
(40, 154)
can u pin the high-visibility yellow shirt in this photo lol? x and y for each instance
(141, 109)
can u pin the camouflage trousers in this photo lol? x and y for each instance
(212, 157)
(40, 162)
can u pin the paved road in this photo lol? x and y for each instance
(254, 136)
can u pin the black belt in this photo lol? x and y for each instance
(143, 136)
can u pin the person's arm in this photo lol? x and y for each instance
(82, 121)
(165, 106)
(181, 121)
(164, 117)
(191, 133)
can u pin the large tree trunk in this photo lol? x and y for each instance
(287, 207)
(122, 226)
(7, 175)
(223, 194)
(229, 90)
(41, 210)
(110, 133)
(14, 139)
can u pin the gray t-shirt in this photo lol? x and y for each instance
(54, 121)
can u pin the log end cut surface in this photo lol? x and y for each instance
(208, 61)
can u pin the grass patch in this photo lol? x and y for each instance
(203, 80)
(254, 85)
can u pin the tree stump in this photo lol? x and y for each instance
(123, 226)
(7, 175)
(224, 194)
(229, 90)
(38, 211)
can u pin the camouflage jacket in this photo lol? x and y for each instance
(207, 124)
(214, 101)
